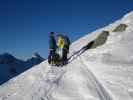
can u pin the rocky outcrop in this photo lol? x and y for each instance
(101, 39)
(120, 28)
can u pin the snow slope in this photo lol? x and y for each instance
(104, 73)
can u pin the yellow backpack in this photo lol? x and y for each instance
(60, 42)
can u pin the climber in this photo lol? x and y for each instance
(60, 44)
(67, 42)
(52, 48)
(65, 49)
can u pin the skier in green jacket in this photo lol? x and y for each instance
(52, 48)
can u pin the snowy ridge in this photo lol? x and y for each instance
(104, 73)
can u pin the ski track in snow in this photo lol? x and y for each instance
(50, 81)
(102, 92)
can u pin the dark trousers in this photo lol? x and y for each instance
(64, 58)
(51, 56)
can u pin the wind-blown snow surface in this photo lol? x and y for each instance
(104, 73)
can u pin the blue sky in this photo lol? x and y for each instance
(25, 24)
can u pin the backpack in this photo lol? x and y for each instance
(61, 42)
(66, 40)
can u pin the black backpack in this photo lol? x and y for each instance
(67, 40)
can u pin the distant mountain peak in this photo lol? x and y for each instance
(6, 58)
(35, 59)
(36, 55)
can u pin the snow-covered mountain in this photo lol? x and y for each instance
(10, 66)
(104, 72)
(35, 59)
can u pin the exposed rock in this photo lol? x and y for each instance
(120, 28)
(101, 39)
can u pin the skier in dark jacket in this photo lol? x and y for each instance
(65, 49)
(67, 42)
(52, 48)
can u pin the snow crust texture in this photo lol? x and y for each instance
(103, 73)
